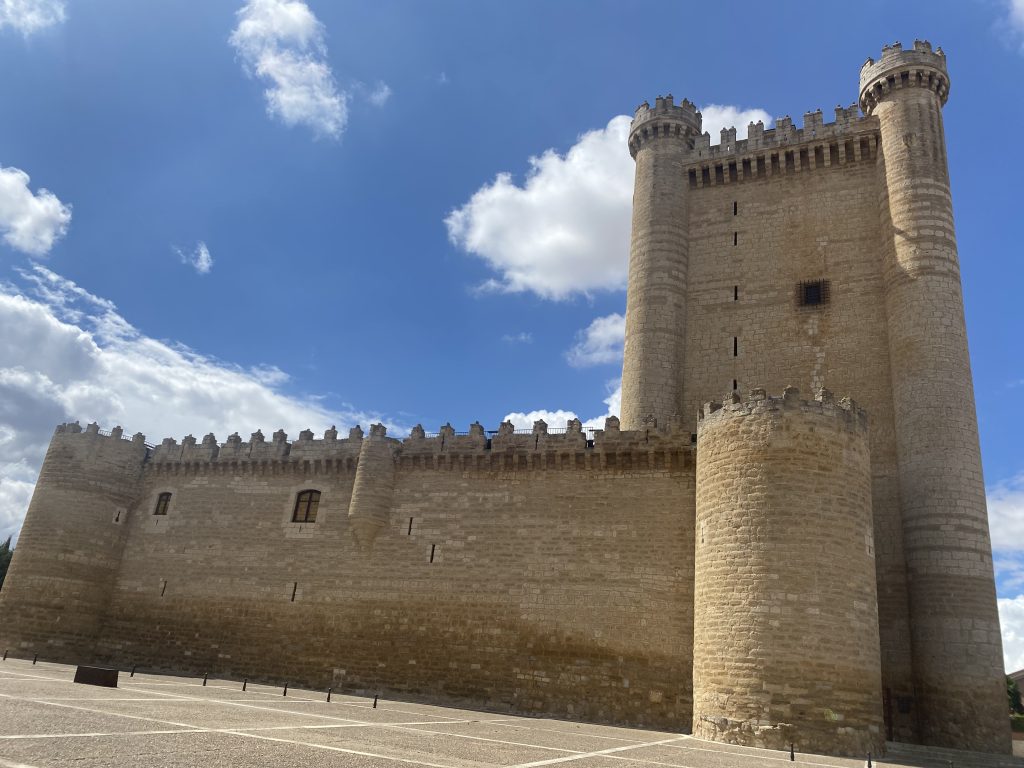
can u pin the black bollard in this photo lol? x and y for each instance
(285, 690)
(205, 675)
(328, 695)
(133, 670)
(869, 760)
(792, 754)
(5, 654)
(245, 683)
(35, 659)
(374, 702)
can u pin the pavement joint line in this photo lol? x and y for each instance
(555, 730)
(8, 764)
(599, 753)
(191, 729)
(379, 725)
(745, 753)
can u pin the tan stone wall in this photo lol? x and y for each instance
(561, 580)
(789, 226)
(785, 617)
(69, 551)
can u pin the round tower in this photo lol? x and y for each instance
(374, 487)
(659, 140)
(69, 552)
(786, 643)
(957, 649)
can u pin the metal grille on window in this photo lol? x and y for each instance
(813, 293)
(162, 502)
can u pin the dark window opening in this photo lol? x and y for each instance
(735, 385)
(705, 176)
(775, 164)
(719, 175)
(819, 156)
(760, 168)
(735, 207)
(813, 293)
(295, 588)
(409, 532)
(162, 502)
(735, 293)
(735, 238)
(833, 154)
(163, 587)
(693, 179)
(865, 149)
(848, 148)
(733, 175)
(306, 504)
(746, 169)
(805, 161)
(433, 548)
(790, 164)
(735, 346)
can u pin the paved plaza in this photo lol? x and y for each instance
(48, 721)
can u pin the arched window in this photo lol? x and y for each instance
(306, 504)
(162, 502)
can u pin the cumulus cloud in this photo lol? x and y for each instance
(558, 418)
(199, 258)
(28, 16)
(1006, 514)
(282, 43)
(30, 222)
(523, 337)
(1015, 20)
(600, 342)
(380, 94)
(565, 229)
(66, 354)
(1011, 616)
(715, 117)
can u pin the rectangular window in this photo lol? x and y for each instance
(735, 208)
(813, 293)
(162, 502)
(735, 293)
(735, 238)
(735, 346)
(306, 505)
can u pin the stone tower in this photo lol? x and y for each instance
(957, 648)
(71, 544)
(785, 613)
(659, 140)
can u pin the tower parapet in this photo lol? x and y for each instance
(665, 119)
(920, 67)
(786, 645)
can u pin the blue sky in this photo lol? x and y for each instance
(289, 214)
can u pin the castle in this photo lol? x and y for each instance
(763, 570)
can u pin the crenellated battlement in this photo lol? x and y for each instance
(665, 120)
(758, 401)
(919, 67)
(477, 448)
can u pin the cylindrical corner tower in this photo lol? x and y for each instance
(373, 488)
(786, 643)
(69, 552)
(659, 140)
(957, 649)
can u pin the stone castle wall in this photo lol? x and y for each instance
(537, 575)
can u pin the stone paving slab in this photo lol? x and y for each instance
(162, 721)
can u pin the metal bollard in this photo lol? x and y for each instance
(205, 675)
(133, 670)
(869, 760)
(5, 654)
(328, 695)
(374, 702)
(35, 659)
(285, 690)
(245, 683)
(792, 754)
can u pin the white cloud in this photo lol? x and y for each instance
(1011, 616)
(30, 222)
(67, 355)
(380, 94)
(565, 230)
(1015, 19)
(28, 16)
(1006, 514)
(558, 418)
(282, 42)
(523, 337)
(199, 259)
(715, 117)
(600, 342)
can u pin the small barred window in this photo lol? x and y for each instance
(812, 293)
(306, 504)
(162, 502)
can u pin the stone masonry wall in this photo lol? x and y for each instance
(785, 616)
(537, 575)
